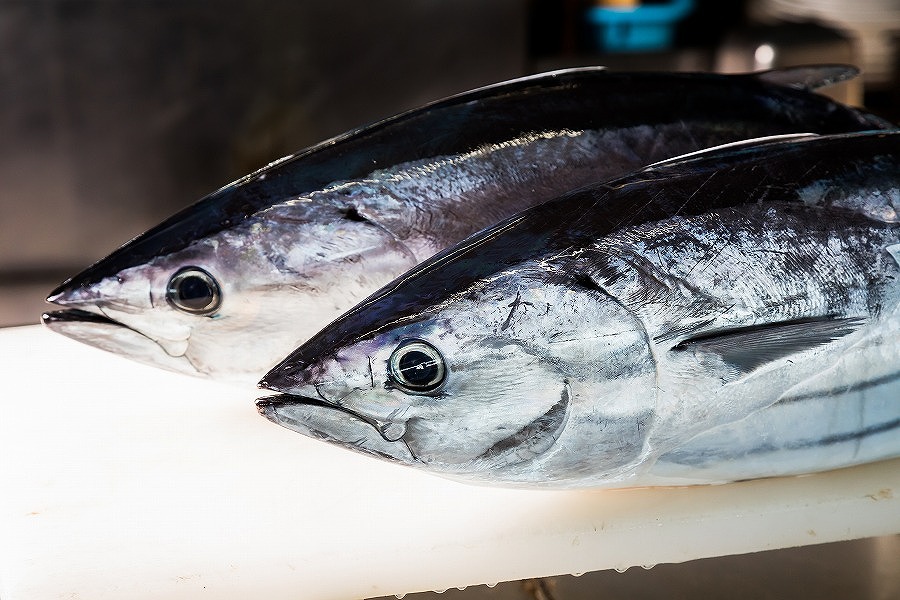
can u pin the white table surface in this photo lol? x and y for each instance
(123, 481)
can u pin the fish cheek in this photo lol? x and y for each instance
(495, 417)
(428, 442)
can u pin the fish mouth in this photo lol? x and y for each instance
(337, 425)
(98, 330)
(85, 325)
(59, 318)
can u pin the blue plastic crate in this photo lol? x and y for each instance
(642, 28)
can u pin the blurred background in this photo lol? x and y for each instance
(115, 114)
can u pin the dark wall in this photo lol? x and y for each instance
(116, 114)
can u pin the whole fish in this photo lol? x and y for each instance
(726, 315)
(278, 254)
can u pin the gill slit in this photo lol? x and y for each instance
(656, 368)
(371, 221)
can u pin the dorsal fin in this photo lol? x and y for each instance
(782, 137)
(809, 77)
(748, 348)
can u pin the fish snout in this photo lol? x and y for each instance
(67, 295)
(288, 376)
(338, 385)
(129, 295)
(324, 379)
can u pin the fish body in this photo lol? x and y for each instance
(277, 255)
(727, 315)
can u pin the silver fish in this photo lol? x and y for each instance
(727, 315)
(229, 286)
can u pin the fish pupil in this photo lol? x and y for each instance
(194, 293)
(418, 368)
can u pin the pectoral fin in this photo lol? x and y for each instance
(749, 348)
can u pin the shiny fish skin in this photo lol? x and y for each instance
(292, 246)
(728, 315)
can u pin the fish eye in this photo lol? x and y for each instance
(417, 367)
(193, 290)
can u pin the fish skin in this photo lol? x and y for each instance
(307, 237)
(728, 315)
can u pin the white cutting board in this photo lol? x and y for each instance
(123, 481)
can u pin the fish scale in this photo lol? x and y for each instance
(754, 276)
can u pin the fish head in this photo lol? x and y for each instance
(231, 303)
(498, 384)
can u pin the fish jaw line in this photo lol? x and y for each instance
(337, 425)
(77, 315)
(91, 326)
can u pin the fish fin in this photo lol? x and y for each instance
(894, 251)
(748, 348)
(808, 77)
(748, 143)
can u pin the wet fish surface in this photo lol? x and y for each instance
(727, 315)
(278, 254)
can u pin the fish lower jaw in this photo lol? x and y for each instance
(337, 425)
(94, 328)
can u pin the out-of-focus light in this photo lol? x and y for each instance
(764, 57)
